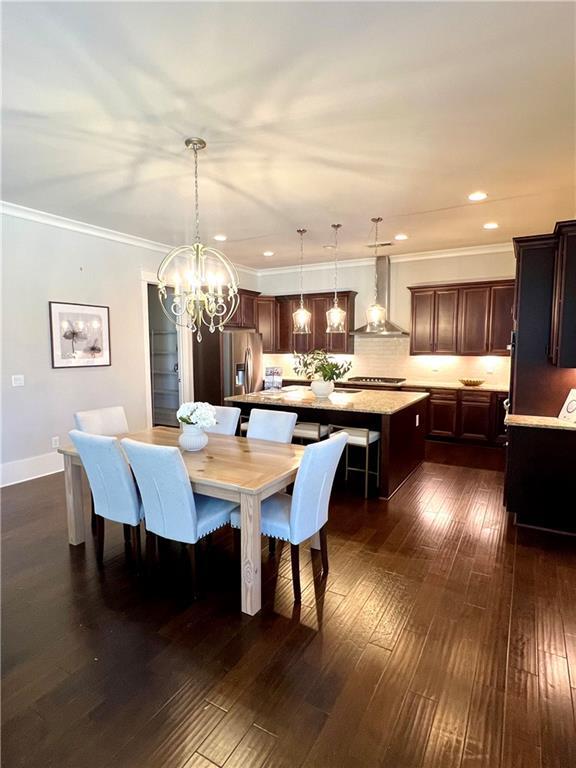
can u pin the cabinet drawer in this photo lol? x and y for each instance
(475, 397)
(443, 394)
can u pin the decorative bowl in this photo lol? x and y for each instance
(471, 382)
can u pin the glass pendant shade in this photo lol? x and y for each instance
(301, 320)
(335, 319)
(204, 280)
(375, 317)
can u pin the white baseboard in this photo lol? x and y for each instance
(13, 472)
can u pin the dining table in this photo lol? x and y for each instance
(238, 469)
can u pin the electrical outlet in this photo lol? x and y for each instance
(417, 419)
(18, 380)
(55, 442)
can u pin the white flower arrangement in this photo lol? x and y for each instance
(201, 415)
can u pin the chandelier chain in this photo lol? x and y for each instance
(301, 232)
(197, 205)
(336, 227)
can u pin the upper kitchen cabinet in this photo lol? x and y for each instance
(563, 327)
(266, 321)
(462, 318)
(245, 315)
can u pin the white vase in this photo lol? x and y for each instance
(322, 388)
(192, 438)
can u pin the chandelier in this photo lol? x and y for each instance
(301, 318)
(376, 313)
(335, 316)
(204, 280)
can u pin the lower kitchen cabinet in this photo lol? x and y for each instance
(476, 420)
(442, 413)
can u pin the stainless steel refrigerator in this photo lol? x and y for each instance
(228, 363)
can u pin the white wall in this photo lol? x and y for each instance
(42, 263)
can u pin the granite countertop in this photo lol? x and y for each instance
(424, 383)
(364, 401)
(539, 422)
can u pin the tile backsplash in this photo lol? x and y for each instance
(391, 357)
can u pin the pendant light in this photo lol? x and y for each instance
(205, 281)
(301, 318)
(376, 313)
(335, 316)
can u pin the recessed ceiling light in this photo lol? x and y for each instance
(476, 196)
(400, 236)
(491, 225)
(268, 253)
(220, 238)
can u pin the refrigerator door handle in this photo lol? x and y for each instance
(248, 368)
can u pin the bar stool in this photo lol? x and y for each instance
(363, 438)
(311, 431)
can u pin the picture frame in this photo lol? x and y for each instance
(79, 335)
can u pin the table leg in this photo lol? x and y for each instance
(74, 501)
(251, 553)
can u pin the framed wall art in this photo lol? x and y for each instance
(79, 335)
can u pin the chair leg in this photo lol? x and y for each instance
(192, 554)
(93, 521)
(150, 548)
(271, 546)
(324, 550)
(99, 539)
(136, 542)
(295, 556)
(346, 475)
(127, 533)
(366, 470)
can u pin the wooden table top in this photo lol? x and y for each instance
(234, 463)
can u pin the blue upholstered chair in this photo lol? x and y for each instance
(298, 517)
(277, 426)
(171, 509)
(114, 492)
(226, 421)
(102, 421)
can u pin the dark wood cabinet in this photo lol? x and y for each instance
(501, 319)
(283, 340)
(462, 318)
(422, 332)
(245, 315)
(476, 420)
(563, 326)
(446, 321)
(266, 321)
(442, 413)
(473, 320)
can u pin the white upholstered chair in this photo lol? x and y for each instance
(102, 421)
(171, 509)
(276, 426)
(226, 421)
(113, 489)
(305, 513)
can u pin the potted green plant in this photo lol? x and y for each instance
(321, 369)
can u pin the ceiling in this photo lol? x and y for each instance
(314, 113)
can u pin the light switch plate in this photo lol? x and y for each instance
(417, 419)
(18, 380)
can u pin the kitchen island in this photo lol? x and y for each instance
(400, 417)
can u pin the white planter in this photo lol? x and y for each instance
(192, 438)
(322, 388)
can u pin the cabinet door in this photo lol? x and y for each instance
(342, 343)
(476, 416)
(501, 307)
(563, 331)
(446, 321)
(422, 334)
(248, 310)
(442, 414)
(284, 326)
(474, 316)
(266, 322)
(319, 306)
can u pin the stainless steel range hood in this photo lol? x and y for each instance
(389, 330)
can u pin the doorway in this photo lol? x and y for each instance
(165, 376)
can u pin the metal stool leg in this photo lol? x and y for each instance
(366, 469)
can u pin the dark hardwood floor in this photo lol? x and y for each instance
(443, 637)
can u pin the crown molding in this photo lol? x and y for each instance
(452, 253)
(316, 267)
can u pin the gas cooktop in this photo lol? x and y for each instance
(376, 379)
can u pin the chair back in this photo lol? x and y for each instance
(111, 482)
(313, 487)
(167, 497)
(102, 421)
(277, 426)
(226, 421)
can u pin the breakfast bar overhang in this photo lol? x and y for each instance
(400, 417)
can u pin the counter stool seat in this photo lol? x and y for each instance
(358, 436)
(361, 438)
(309, 430)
